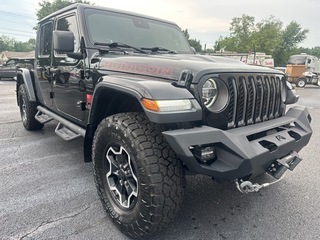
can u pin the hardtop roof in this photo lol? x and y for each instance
(81, 6)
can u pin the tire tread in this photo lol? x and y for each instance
(164, 175)
(31, 110)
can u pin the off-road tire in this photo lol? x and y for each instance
(160, 177)
(28, 110)
(301, 82)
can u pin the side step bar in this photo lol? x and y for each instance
(65, 129)
(43, 118)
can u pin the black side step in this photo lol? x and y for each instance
(43, 118)
(65, 133)
(65, 129)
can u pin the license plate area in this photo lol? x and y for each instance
(280, 166)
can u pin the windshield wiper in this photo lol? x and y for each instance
(159, 49)
(120, 45)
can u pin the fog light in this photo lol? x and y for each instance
(204, 154)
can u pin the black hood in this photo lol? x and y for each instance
(169, 66)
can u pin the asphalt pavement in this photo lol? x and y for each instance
(48, 192)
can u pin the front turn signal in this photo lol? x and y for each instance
(167, 105)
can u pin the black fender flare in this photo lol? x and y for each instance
(157, 90)
(24, 77)
(138, 89)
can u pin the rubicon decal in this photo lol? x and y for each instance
(138, 68)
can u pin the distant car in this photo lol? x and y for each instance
(9, 68)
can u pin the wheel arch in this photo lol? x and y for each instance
(108, 99)
(114, 95)
(25, 76)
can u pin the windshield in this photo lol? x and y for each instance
(108, 27)
(297, 60)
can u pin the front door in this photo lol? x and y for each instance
(68, 85)
(43, 62)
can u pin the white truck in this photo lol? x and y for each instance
(303, 69)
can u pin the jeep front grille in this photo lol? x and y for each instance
(253, 99)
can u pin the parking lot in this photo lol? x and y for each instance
(48, 192)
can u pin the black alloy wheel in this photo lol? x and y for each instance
(139, 180)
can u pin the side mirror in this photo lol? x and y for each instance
(63, 41)
(291, 96)
(193, 50)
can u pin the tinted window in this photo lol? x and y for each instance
(70, 24)
(108, 27)
(297, 59)
(45, 39)
(11, 62)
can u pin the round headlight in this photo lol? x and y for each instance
(209, 92)
(214, 95)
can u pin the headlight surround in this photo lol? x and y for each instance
(214, 94)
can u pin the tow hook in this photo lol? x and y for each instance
(249, 187)
(277, 169)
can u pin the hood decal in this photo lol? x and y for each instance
(144, 69)
(170, 66)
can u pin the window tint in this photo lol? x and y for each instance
(297, 59)
(108, 27)
(45, 39)
(70, 24)
(11, 62)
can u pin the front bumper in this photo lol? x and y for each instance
(243, 152)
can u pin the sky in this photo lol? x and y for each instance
(206, 20)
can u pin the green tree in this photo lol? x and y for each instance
(6, 43)
(32, 43)
(266, 36)
(10, 44)
(227, 44)
(315, 51)
(241, 33)
(292, 35)
(48, 7)
(193, 42)
(186, 33)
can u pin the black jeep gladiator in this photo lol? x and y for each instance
(152, 111)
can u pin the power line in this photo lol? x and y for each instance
(6, 20)
(7, 33)
(18, 30)
(14, 14)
